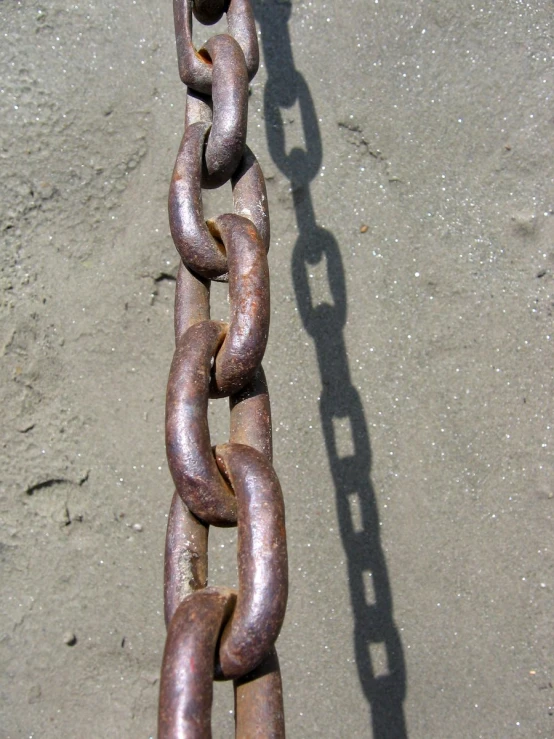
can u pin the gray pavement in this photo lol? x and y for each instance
(407, 147)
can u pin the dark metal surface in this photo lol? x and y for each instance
(186, 683)
(195, 242)
(251, 415)
(208, 11)
(245, 341)
(196, 71)
(215, 633)
(192, 300)
(186, 556)
(189, 452)
(197, 247)
(262, 560)
(227, 136)
(250, 196)
(259, 702)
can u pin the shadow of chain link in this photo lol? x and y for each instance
(384, 688)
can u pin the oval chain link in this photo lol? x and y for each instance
(219, 633)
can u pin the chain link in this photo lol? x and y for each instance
(219, 633)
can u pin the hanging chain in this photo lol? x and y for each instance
(213, 632)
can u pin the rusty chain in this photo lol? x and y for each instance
(213, 632)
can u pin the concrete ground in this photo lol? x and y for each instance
(408, 151)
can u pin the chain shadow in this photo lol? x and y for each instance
(378, 648)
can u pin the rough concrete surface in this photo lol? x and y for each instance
(410, 362)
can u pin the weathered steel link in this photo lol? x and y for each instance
(192, 237)
(192, 301)
(186, 556)
(251, 416)
(262, 560)
(186, 684)
(197, 247)
(194, 69)
(259, 701)
(198, 108)
(217, 633)
(244, 344)
(250, 407)
(189, 452)
(249, 191)
(186, 694)
(227, 136)
(250, 195)
(242, 27)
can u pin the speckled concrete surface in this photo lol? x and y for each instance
(410, 363)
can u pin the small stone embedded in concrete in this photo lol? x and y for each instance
(69, 638)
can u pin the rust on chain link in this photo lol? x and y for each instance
(250, 196)
(197, 247)
(251, 415)
(219, 633)
(194, 69)
(186, 684)
(194, 241)
(189, 451)
(227, 136)
(262, 560)
(244, 344)
(192, 301)
(259, 701)
(186, 556)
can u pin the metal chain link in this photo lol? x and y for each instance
(219, 633)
